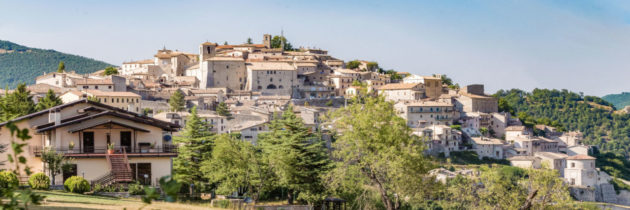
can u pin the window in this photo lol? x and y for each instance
(109, 87)
(227, 66)
(85, 87)
(572, 165)
(96, 87)
(280, 87)
(271, 86)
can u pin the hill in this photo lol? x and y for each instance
(591, 115)
(619, 100)
(22, 64)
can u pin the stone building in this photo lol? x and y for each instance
(271, 78)
(419, 114)
(402, 91)
(488, 147)
(473, 99)
(581, 171)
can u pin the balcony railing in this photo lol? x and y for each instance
(101, 151)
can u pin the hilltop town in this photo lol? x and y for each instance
(240, 89)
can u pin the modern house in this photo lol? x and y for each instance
(83, 129)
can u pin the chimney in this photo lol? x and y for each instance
(54, 115)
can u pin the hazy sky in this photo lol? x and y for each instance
(577, 45)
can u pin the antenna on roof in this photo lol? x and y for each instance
(282, 39)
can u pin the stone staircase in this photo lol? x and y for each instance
(608, 193)
(120, 171)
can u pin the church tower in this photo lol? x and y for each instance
(267, 41)
(206, 50)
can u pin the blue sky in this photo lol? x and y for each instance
(583, 46)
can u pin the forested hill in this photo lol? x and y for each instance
(619, 100)
(22, 64)
(571, 111)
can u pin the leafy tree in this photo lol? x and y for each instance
(16, 104)
(277, 41)
(61, 68)
(393, 75)
(54, 162)
(329, 103)
(225, 43)
(196, 146)
(48, 101)
(297, 157)
(93, 99)
(111, 71)
(10, 198)
(237, 164)
(353, 64)
(177, 102)
(372, 66)
(223, 110)
(249, 40)
(504, 106)
(376, 153)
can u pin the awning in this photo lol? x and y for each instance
(94, 124)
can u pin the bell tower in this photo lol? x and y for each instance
(267, 41)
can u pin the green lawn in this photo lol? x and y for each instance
(64, 200)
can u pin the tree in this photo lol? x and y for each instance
(225, 43)
(297, 157)
(353, 64)
(372, 66)
(16, 104)
(10, 194)
(238, 165)
(278, 41)
(177, 102)
(55, 162)
(249, 40)
(376, 153)
(93, 99)
(223, 110)
(48, 101)
(111, 71)
(196, 146)
(61, 68)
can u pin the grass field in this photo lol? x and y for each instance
(63, 200)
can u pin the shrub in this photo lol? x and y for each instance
(76, 184)
(98, 188)
(8, 179)
(136, 189)
(224, 204)
(39, 181)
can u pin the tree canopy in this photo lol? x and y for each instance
(61, 68)
(50, 100)
(297, 157)
(177, 102)
(16, 104)
(196, 143)
(111, 71)
(277, 41)
(376, 154)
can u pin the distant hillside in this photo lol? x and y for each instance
(619, 100)
(22, 64)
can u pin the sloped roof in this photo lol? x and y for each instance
(398, 86)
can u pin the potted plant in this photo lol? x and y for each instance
(152, 147)
(110, 148)
(71, 146)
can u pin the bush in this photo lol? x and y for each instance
(76, 184)
(136, 189)
(224, 204)
(39, 181)
(8, 179)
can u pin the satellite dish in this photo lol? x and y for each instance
(166, 138)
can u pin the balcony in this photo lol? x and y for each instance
(96, 152)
